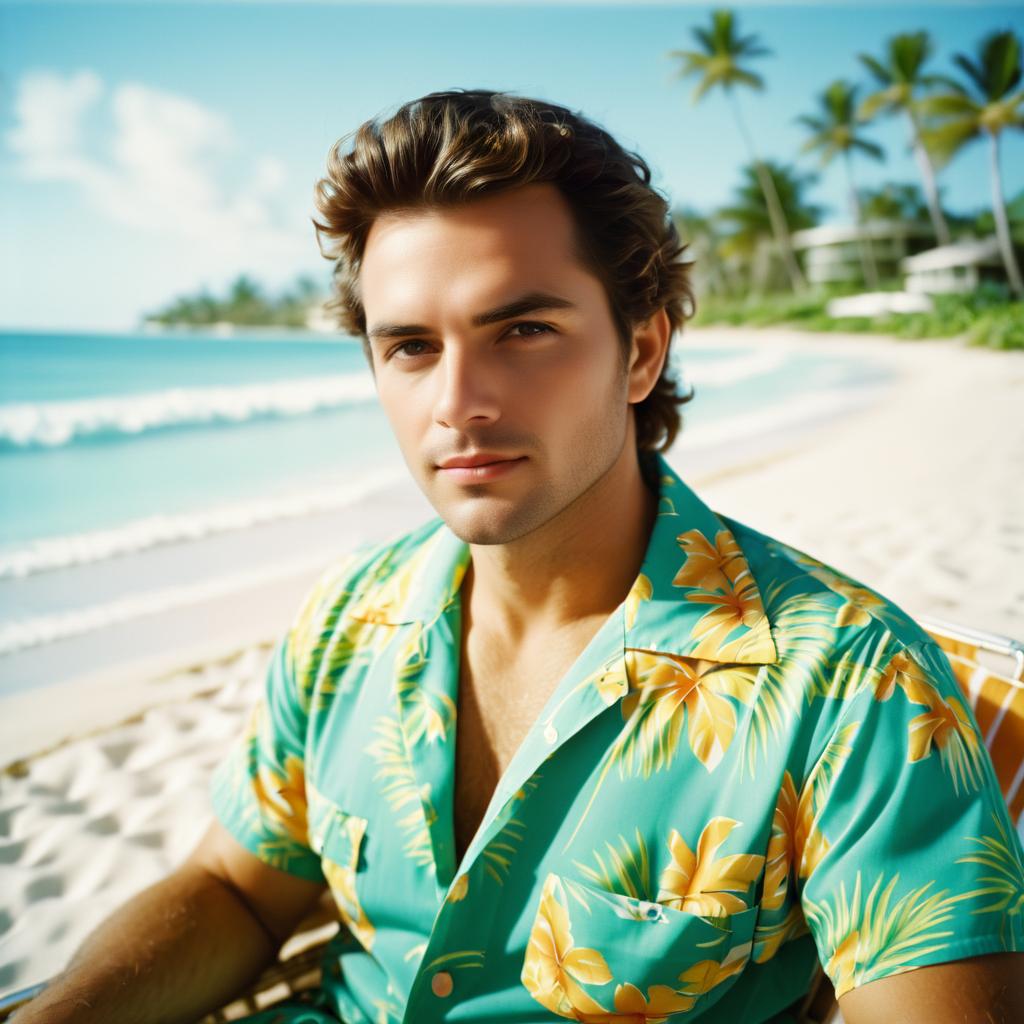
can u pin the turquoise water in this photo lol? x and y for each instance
(100, 431)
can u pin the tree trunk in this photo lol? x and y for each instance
(1002, 224)
(931, 191)
(776, 214)
(867, 255)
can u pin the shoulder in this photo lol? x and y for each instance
(842, 646)
(350, 580)
(790, 579)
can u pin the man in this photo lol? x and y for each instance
(578, 747)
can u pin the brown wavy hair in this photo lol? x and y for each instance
(448, 148)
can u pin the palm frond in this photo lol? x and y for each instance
(876, 68)
(400, 788)
(627, 872)
(973, 71)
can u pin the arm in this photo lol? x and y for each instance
(184, 946)
(988, 989)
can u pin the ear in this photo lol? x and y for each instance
(647, 355)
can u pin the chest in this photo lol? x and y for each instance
(499, 700)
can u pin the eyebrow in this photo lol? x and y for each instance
(529, 303)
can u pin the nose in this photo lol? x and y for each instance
(466, 391)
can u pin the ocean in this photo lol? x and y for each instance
(114, 446)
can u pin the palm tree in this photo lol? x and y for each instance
(717, 62)
(835, 133)
(703, 242)
(987, 106)
(749, 212)
(894, 201)
(901, 78)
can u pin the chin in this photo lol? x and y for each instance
(473, 522)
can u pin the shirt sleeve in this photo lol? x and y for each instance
(907, 855)
(258, 789)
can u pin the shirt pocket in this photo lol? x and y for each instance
(594, 954)
(337, 837)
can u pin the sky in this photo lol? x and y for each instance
(150, 149)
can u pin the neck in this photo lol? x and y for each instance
(577, 567)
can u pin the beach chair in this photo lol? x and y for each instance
(990, 671)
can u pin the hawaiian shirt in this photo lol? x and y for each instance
(755, 766)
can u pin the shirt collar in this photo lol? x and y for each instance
(695, 595)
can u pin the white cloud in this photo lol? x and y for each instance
(160, 169)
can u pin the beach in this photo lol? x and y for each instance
(916, 489)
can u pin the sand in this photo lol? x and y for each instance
(919, 494)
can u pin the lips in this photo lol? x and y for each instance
(482, 459)
(482, 472)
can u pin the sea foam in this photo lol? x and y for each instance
(138, 535)
(53, 424)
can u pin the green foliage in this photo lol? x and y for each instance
(1000, 328)
(245, 305)
(986, 316)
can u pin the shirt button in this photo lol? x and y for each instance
(441, 984)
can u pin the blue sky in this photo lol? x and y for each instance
(148, 149)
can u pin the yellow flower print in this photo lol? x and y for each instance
(632, 1008)
(704, 976)
(342, 880)
(720, 577)
(700, 884)
(642, 590)
(796, 847)
(281, 795)
(709, 566)
(861, 604)
(796, 841)
(662, 688)
(554, 968)
(768, 938)
(945, 726)
(781, 851)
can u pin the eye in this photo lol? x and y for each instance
(531, 323)
(543, 329)
(403, 346)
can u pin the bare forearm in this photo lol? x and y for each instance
(171, 954)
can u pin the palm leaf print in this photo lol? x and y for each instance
(860, 605)
(311, 638)
(804, 636)
(426, 714)
(401, 790)
(999, 854)
(627, 872)
(856, 668)
(498, 853)
(875, 939)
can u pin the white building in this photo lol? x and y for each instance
(832, 252)
(959, 267)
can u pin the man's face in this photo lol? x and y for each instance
(546, 386)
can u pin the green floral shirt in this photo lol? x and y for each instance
(756, 765)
